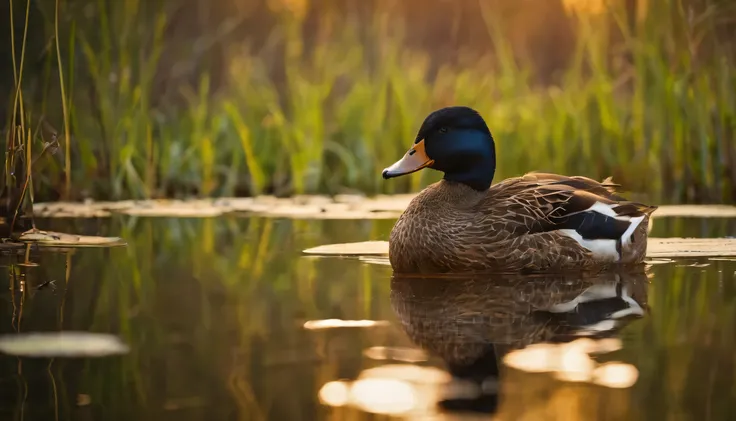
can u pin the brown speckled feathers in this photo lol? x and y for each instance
(458, 319)
(516, 225)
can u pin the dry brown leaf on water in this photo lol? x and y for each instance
(60, 239)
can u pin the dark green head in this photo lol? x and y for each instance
(456, 141)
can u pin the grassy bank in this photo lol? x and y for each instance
(647, 95)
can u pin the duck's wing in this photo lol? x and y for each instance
(579, 207)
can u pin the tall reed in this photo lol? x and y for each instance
(647, 97)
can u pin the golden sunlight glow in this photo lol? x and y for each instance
(407, 373)
(535, 358)
(392, 389)
(607, 345)
(296, 8)
(616, 375)
(383, 396)
(572, 362)
(336, 393)
(591, 7)
(335, 323)
(575, 363)
(410, 355)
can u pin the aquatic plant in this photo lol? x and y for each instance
(647, 96)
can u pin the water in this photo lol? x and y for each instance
(214, 312)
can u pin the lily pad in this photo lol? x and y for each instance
(62, 344)
(657, 248)
(60, 239)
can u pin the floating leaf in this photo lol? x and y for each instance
(657, 249)
(696, 211)
(62, 344)
(335, 323)
(345, 206)
(176, 209)
(60, 239)
(658, 261)
(377, 260)
(364, 248)
(691, 247)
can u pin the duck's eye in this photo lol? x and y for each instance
(443, 129)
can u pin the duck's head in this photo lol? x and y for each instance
(455, 141)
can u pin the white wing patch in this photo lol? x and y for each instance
(601, 249)
(626, 238)
(606, 249)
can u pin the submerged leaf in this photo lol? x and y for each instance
(62, 344)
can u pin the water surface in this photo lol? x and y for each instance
(216, 313)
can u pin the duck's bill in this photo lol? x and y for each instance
(414, 160)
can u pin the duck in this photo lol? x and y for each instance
(536, 222)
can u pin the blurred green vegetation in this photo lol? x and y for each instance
(214, 323)
(171, 98)
(213, 310)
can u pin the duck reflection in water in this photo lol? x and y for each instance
(474, 323)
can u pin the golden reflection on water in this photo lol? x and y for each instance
(215, 310)
(492, 334)
(572, 362)
(405, 354)
(391, 389)
(500, 336)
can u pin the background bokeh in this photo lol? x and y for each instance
(240, 97)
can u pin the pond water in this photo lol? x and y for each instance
(225, 319)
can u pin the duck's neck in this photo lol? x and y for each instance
(477, 174)
(468, 157)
